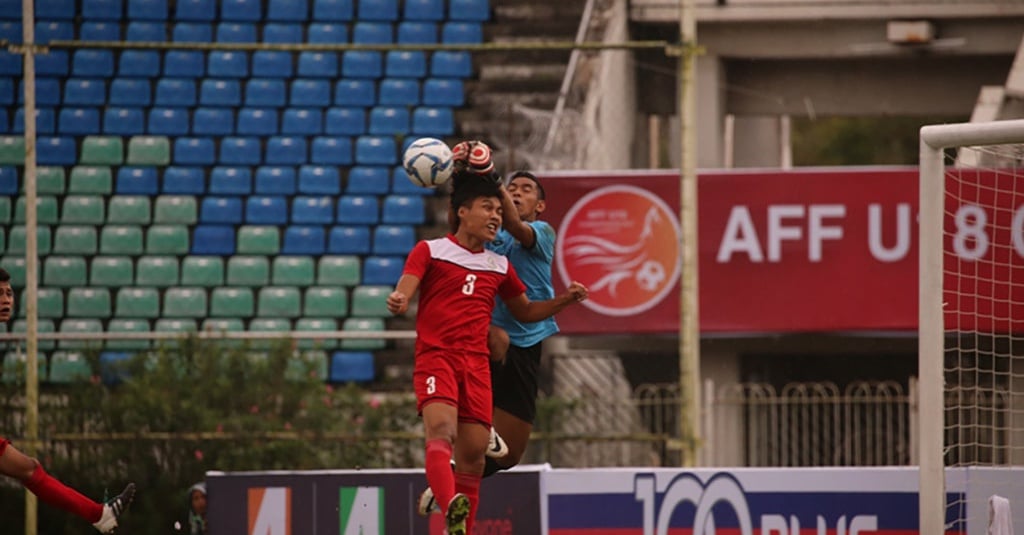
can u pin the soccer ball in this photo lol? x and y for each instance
(428, 162)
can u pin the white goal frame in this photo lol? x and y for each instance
(934, 139)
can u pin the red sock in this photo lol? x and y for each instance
(439, 471)
(59, 495)
(469, 484)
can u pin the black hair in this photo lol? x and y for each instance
(4, 275)
(468, 186)
(526, 174)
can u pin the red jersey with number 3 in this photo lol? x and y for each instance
(457, 291)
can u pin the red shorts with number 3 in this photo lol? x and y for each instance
(457, 378)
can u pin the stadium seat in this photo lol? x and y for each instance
(149, 150)
(175, 92)
(331, 151)
(97, 150)
(53, 63)
(318, 65)
(130, 92)
(304, 365)
(276, 32)
(389, 121)
(5, 214)
(453, 32)
(310, 93)
(257, 122)
(368, 180)
(386, 10)
(194, 151)
(178, 325)
(213, 240)
(114, 367)
(86, 179)
(68, 367)
(303, 240)
(338, 270)
(287, 10)
(259, 239)
(241, 10)
(46, 210)
(56, 150)
(10, 25)
(469, 10)
(319, 180)
(362, 64)
(184, 302)
(370, 301)
(333, 10)
(399, 92)
(121, 240)
(147, 9)
(192, 32)
(271, 64)
(224, 325)
(9, 177)
(137, 181)
(382, 270)
(443, 92)
(355, 93)
(403, 210)
(325, 302)
(49, 180)
(312, 210)
(83, 210)
(10, 64)
(351, 366)
(168, 122)
(406, 64)
(265, 93)
(139, 64)
(285, 150)
(138, 303)
(102, 9)
(126, 325)
(47, 91)
(240, 151)
(345, 121)
(292, 271)
(228, 302)
(316, 325)
(213, 122)
(393, 239)
(215, 92)
(46, 123)
(348, 240)
(78, 121)
(231, 181)
(99, 31)
(228, 64)
(265, 325)
(302, 122)
(15, 265)
(207, 271)
(373, 33)
(235, 32)
(64, 271)
(157, 271)
(184, 64)
(220, 211)
(184, 181)
(327, 33)
(85, 92)
(375, 150)
(358, 210)
(279, 302)
(74, 240)
(16, 240)
(363, 325)
(167, 239)
(199, 10)
(451, 64)
(53, 30)
(248, 271)
(129, 210)
(111, 271)
(266, 210)
(139, 31)
(275, 180)
(50, 303)
(431, 10)
(433, 121)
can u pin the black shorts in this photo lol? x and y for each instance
(515, 382)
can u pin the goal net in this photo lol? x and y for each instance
(971, 330)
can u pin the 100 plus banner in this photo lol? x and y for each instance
(781, 251)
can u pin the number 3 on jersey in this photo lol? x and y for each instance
(468, 287)
(431, 385)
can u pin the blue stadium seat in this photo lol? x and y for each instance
(276, 32)
(382, 270)
(471, 10)
(85, 92)
(312, 210)
(235, 32)
(432, 10)
(406, 64)
(214, 92)
(147, 9)
(257, 122)
(139, 64)
(134, 92)
(89, 63)
(184, 181)
(56, 151)
(284, 150)
(220, 210)
(358, 210)
(213, 121)
(333, 10)
(226, 180)
(433, 121)
(443, 92)
(302, 122)
(213, 240)
(451, 64)
(11, 30)
(78, 121)
(175, 92)
(241, 10)
(168, 121)
(271, 64)
(393, 239)
(124, 121)
(287, 10)
(327, 33)
(114, 367)
(194, 151)
(399, 92)
(100, 31)
(361, 64)
(265, 93)
(376, 150)
(4, 127)
(310, 92)
(46, 121)
(184, 64)
(462, 33)
(266, 210)
(192, 32)
(378, 10)
(318, 64)
(6, 91)
(198, 10)
(47, 92)
(55, 9)
(303, 240)
(349, 240)
(352, 367)
(139, 31)
(240, 151)
(319, 180)
(8, 183)
(416, 32)
(136, 181)
(389, 121)
(368, 180)
(53, 30)
(53, 63)
(228, 64)
(102, 9)
(373, 33)
(275, 180)
(10, 64)
(355, 92)
(345, 122)
(403, 210)
(331, 151)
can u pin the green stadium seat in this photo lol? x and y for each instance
(5, 211)
(125, 325)
(363, 325)
(49, 180)
(68, 367)
(89, 303)
(306, 363)
(14, 366)
(293, 270)
(86, 179)
(134, 302)
(83, 210)
(111, 271)
(157, 271)
(224, 325)
(180, 209)
(128, 209)
(12, 150)
(167, 239)
(185, 303)
(370, 301)
(279, 301)
(121, 240)
(319, 325)
(267, 325)
(3, 240)
(44, 325)
(16, 240)
(202, 271)
(338, 271)
(175, 325)
(258, 240)
(228, 302)
(46, 210)
(50, 303)
(75, 240)
(99, 150)
(326, 301)
(80, 325)
(149, 150)
(64, 271)
(248, 271)
(15, 265)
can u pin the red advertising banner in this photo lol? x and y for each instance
(780, 251)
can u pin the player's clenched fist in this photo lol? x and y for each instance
(398, 303)
(578, 291)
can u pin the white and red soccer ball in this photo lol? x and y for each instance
(428, 162)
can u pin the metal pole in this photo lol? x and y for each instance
(689, 303)
(570, 73)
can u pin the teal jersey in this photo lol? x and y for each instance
(533, 265)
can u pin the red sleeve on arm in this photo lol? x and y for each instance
(511, 286)
(417, 261)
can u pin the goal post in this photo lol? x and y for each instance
(949, 410)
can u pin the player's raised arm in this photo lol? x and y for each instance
(398, 301)
(513, 223)
(528, 311)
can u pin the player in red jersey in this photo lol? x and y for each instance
(30, 473)
(458, 280)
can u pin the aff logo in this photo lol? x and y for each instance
(622, 242)
(361, 510)
(270, 511)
